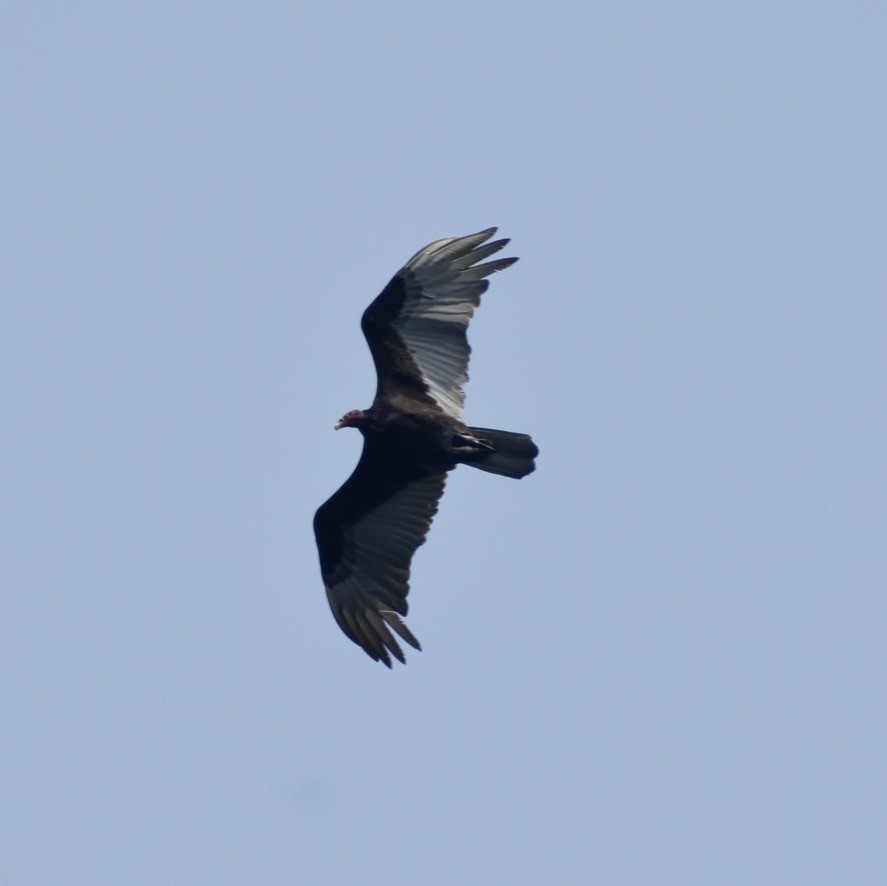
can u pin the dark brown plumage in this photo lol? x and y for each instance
(369, 530)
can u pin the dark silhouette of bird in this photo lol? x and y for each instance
(369, 530)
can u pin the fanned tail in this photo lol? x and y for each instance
(511, 454)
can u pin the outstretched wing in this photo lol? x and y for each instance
(367, 534)
(416, 328)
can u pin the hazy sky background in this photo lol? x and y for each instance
(658, 660)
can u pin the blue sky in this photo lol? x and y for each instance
(660, 658)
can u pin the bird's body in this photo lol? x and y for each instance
(413, 435)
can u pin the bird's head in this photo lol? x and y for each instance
(353, 419)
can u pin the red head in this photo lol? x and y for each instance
(353, 419)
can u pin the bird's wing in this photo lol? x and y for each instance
(416, 328)
(367, 534)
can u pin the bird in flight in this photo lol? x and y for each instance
(369, 530)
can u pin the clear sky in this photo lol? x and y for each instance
(658, 660)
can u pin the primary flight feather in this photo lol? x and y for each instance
(413, 435)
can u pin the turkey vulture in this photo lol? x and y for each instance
(369, 530)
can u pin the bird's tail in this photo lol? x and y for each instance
(510, 455)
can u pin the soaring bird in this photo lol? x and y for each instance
(369, 530)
